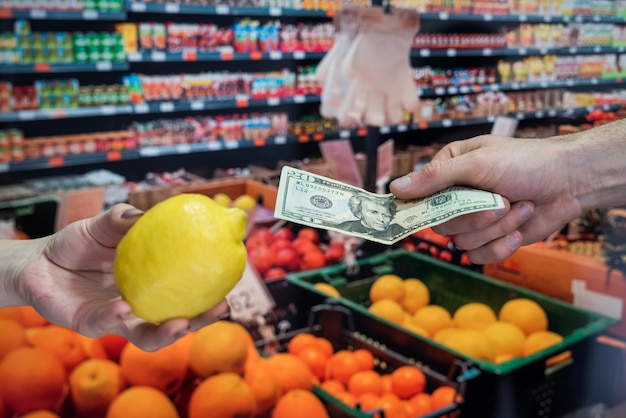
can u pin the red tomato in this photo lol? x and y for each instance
(262, 258)
(284, 233)
(310, 234)
(274, 273)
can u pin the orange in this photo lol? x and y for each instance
(93, 347)
(224, 395)
(540, 340)
(220, 347)
(422, 404)
(364, 358)
(29, 317)
(325, 346)
(342, 366)
(61, 342)
(291, 372)
(416, 295)
(164, 369)
(142, 402)
(300, 341)
(332, 386)
(474, 315)
(13, 336)
(388, 309)
(94, 384)
(526, 314)
(368, 401)
(407, 381)
(472, 343)
(299, 403)
(113, 345)
(387, 385)
(411, 326)
(506, 339)
(366, 381)
(263, 384)
(387, 286)
(37, 380)
(442, 397)
(443, 334)
(315, 359)
(392, 406)
(348, 398)
(41, 413)
(11, 312)
(432, 318)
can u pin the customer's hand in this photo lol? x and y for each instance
(68, 278)
(532, 175)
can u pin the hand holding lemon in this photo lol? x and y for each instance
(182, 257)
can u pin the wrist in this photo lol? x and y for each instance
(15, 256)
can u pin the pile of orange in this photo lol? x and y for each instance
(519, 328)
(352, 377)
(214, 372)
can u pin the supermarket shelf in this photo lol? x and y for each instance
(241, 101)
(39, 14)
(451, 90)
(71, 160)
(63, 68)
(520, 18)
(522, 51)
(160, 56)
(225, 10)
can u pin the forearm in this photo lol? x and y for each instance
(597, 163)
(14, 257)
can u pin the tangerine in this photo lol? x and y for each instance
(387, 286)
(41, 413)
(291, 372)
(474, 315)
(37, 380)
(300, 341)
(13, 336)
(365, 381)
(506, 338)
(164, 369)
(94, 384)
(315, 359)
(220, 347)
(299, 403)
(422, 404)
(443, 396)
(526, 314)
(407, 381)
(263, 384)
(416, 295)
(433, 318)
(342, 366)
(388, 309)
(472, 343)
(63, 343)
(364, 358)
(224, 395)
(332, 386)
(142, 402)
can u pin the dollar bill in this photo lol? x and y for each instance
(320, 202)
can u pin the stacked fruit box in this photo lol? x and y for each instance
(532, 385)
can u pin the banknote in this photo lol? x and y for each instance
(317, 201)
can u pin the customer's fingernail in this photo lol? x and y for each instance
(131, 213)
(525, 211)
(515, 239)
(500, 212)
(402, 183)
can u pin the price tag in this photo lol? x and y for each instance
(172, 8)
(453, 90)
(543, 51)
(231, 144)
(451, 52)
(594, 81)
(166, 107)
(299, 99)
(222, 9)
(275, 11)
(419, 92)
(440, 91)
(539, 114)
(590, 108)
(183, 148)
(38, 14)
(241, 100)
(256, 55)
(226, 55)
(573, 50)
(149, 152)
(4, 167)
(214, 146)
(464, 89)
(190, 55)
(566, 19)
(597, 49)
(250, 297)
(547, 18)
(424, 52)
(273, 101)
(344, 134)
(569, 83)
(108, 110)
(197, 105)
(488, 17)
(299, 55)
(276, 55)
(91, 15)
(384, 130)
(134, 57)
(520, 116)
(596, 18)
(579, 19)
(104, 66)
(495, 87)
(280, 139)
(138, 7)
(402, 127)
(504, 126)
(26, 114)
(491, 118)
(158, 56)
(444, 16)
(544, 85)
(522, 51)
(487, 52)
(552, 113)
(446, 123)
(142, 108)
(523, 18)
(114, 156)
(606, 108)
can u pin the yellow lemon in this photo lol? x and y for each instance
(506, 338)
(223, 199)
(416, 295)
(388, 309)
(327, 288)
(245, 202)
(472, 343)
(526, 314)
(474, 315)
(433, 318)
(181, 258)
(387, 286)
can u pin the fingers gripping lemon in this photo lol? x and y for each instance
(181, 258)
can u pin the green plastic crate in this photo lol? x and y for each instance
(526, 385)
